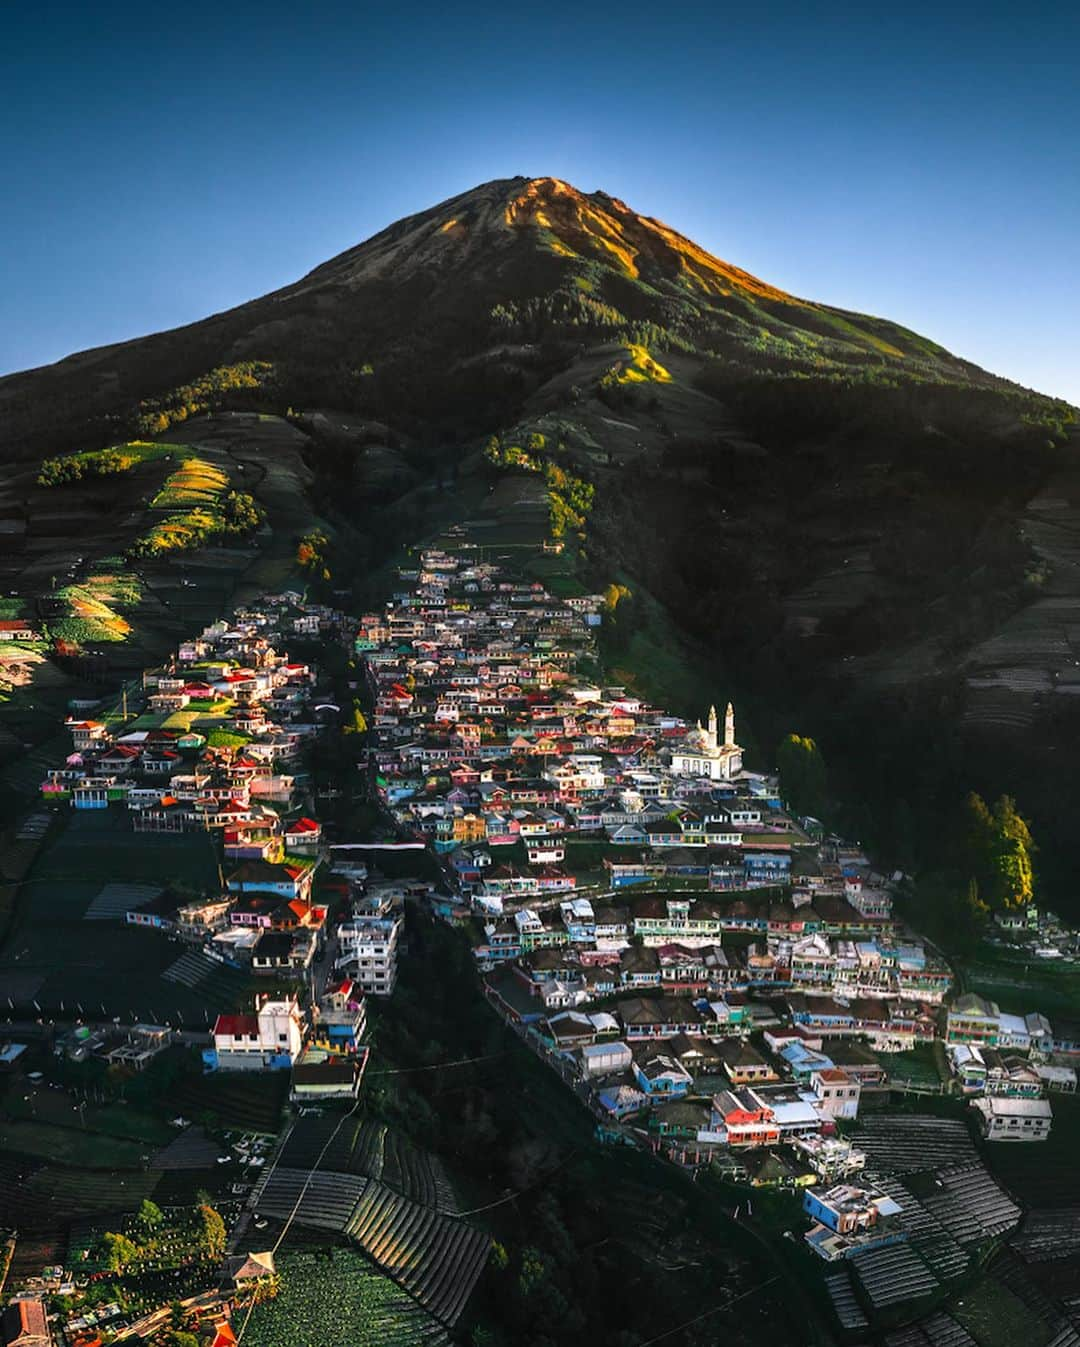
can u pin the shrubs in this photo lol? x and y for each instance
(570, 499)
(312, 554)
(204, 394)
(76, 467)
(238, 514)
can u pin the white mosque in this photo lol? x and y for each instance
(703, 755)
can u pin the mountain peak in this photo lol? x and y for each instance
(556, 219)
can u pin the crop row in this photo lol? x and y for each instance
(436, 1258)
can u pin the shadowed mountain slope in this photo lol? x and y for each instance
(866, 536)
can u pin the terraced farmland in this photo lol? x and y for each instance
(939, 1330)
(436, 1258)
(911, 1144)
(1046, 1235)
(971, 1206)
(893, 1275)
(40, 1200)
(373, 1149)
(842, 1294)
(325, 1200)
(926, 1233)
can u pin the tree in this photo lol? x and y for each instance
(1010, 856)
(210, 1231)
(149, 1215)
(119, 1251)
(997, 851)
(803, 779)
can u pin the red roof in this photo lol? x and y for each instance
(303, 825)
(14, 624)
(236, 1024)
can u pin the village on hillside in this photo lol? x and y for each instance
(722, 984)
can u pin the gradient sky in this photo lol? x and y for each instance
(160, 163)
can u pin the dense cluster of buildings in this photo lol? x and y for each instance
(220, 747)
(713, 976)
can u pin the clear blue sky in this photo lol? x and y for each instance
(165, 162)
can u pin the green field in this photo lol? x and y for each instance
(918, 1069)
(195, 483)
(337, 1300)
(71, 1145)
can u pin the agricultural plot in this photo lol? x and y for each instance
(40, 1104)
(192, 1149)
(1048, 1235)
(337, 1300)
(913, 1070)
(911, 1144)
(96, 607)
(845, 1306)
(41, 1200)
(194, 483)
(114, 900)
(996, 1317)
(417, 1174)
(939, 1330)
(71, 1144)
(375, 1151)
(926, 1234)
(356, 1147)
(324, 1199)
(435, 1258)
(971, 1206)
(240, 1103)
(893, 1275)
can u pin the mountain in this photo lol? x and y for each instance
(481, 277)
(863, 535)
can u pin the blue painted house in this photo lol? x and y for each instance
(660, 1077)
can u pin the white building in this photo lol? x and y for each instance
(367, 948)
(837, 1094)
(603, 1059)
(703, 755)
(1004, 1119)
(272, 1037)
